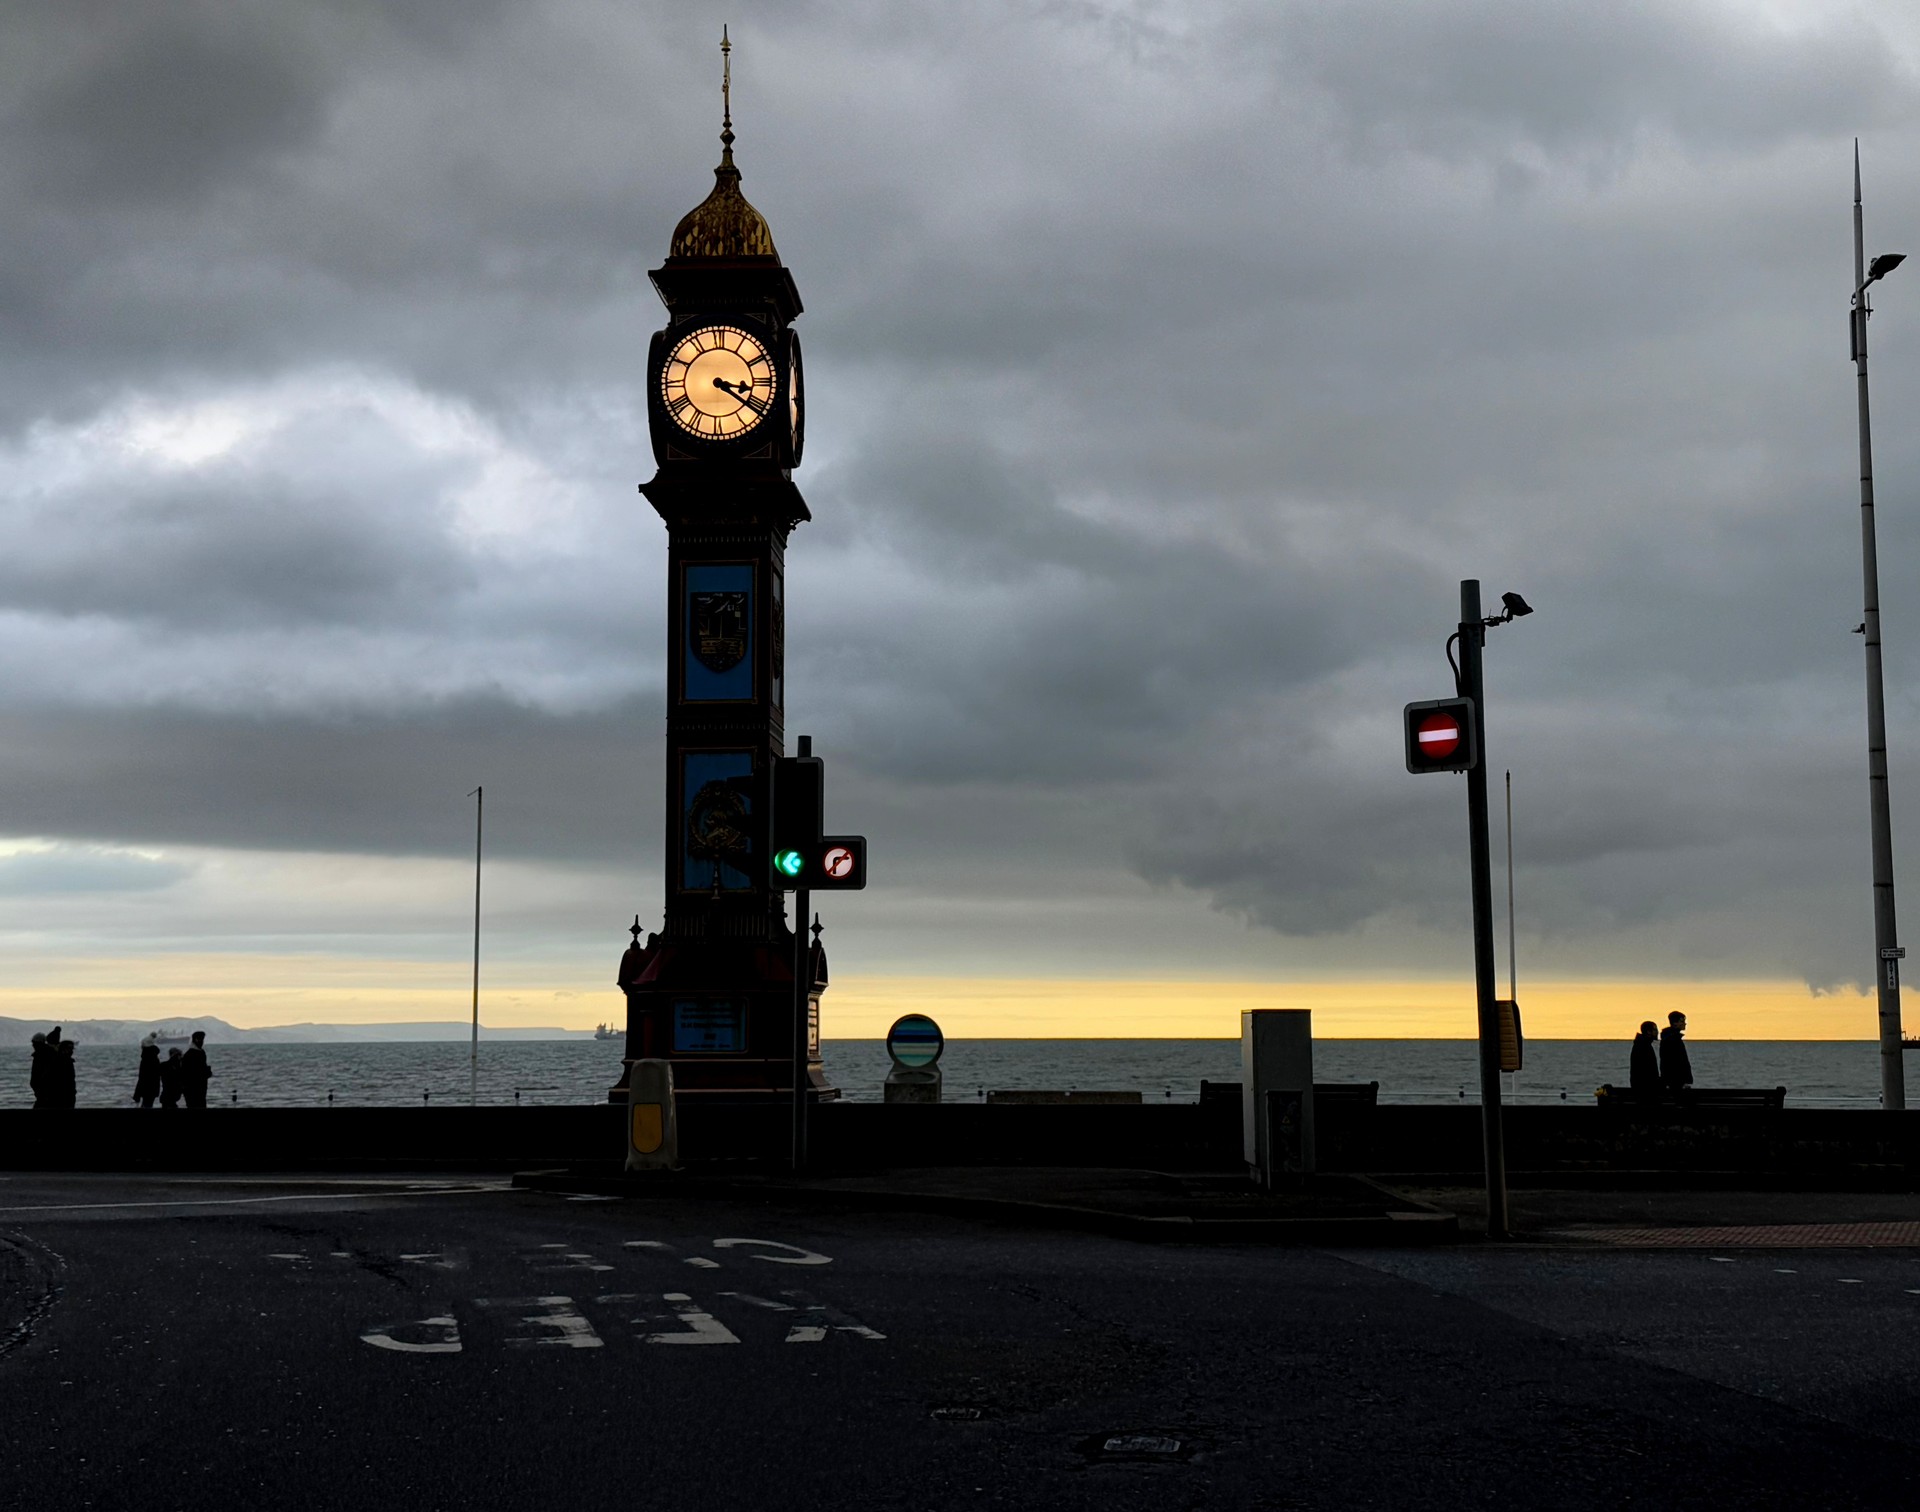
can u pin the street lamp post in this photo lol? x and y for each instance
(1893, 1085)
(1469, 682)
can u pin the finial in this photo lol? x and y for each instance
(726, 97)
(817, 931)
(635, 931)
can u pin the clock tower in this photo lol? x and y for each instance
(713, 991)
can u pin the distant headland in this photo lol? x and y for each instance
(132, 1031)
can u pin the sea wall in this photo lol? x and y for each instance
(1805, 1144)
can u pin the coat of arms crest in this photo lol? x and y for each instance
(719, 630)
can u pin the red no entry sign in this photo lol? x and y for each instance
(1439, 736)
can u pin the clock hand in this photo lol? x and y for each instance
(743, 392)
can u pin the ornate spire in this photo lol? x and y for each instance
(726, 99)
(724, 225)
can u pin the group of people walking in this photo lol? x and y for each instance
(1659, 1068)
(180, 1078)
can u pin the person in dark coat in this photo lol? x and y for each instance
(39, 1077)
(195, 1073)
(66, 1086)
(146, 1085)
(170, 1080)
(1676, 1070)
(1643, 1065)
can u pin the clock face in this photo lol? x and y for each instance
(796, 398)
(718, 382)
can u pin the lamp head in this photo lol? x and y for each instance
(1515, 605)
(1884, 264)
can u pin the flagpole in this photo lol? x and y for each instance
(478, 795)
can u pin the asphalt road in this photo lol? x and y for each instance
(169, 1342)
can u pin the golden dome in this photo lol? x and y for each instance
(723, 225)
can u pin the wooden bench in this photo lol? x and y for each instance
(1696, 1097)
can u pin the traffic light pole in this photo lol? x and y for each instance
(1473, 634)
(802, 971)
(802, 962)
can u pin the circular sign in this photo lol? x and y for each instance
(915, 1041)
(838, 862)
(1439, 736)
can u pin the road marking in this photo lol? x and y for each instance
(820, 1318)
(544, 1259)
(590, 1197)
(645, 1244)
(435, 1259)
(441, 1336)
(285, 1256)
(87, 1207)
(702, 1327)
(796, 1255)
(1721, 1259)
(753, 1301)
(1851, 1281)
(1779, 1270)
(703, 1262)
(557, 1323)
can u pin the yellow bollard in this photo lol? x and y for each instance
(653, 1134)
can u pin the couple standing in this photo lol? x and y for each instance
(1668, 1075)
(177, 1077)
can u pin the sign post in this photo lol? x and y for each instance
(1473, 632)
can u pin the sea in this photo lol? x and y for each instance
(1830, 1074)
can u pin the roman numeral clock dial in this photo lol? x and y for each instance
(718, 383)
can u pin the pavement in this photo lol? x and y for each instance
(309, 1342)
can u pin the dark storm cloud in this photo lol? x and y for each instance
(583, 787)
(1170, 366)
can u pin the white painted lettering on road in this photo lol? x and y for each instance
(816, 1318)
(424, 1336)
(555, 1322)
(703, 1262)
(794, 1256)
(701, 1326)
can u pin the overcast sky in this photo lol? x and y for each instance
(1169, 366)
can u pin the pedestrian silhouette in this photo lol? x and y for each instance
(146, 1085)
(65, 1085)
(1676, 1070)
(40, 1078)
(170, 1079)
(195, 1073)
(1644, 1064)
